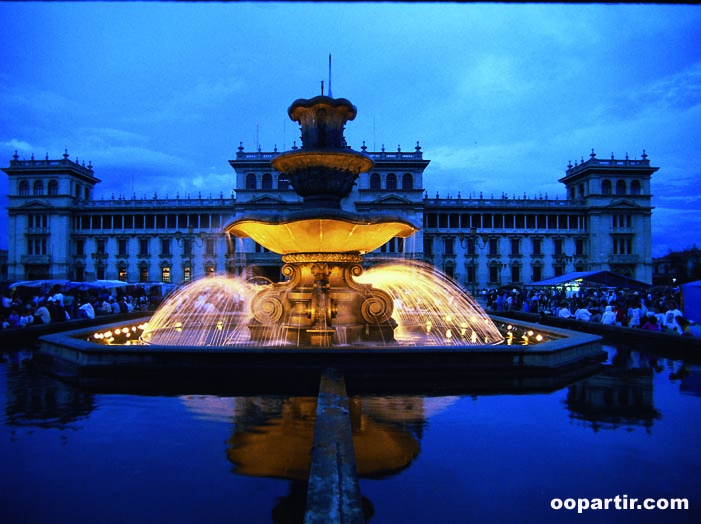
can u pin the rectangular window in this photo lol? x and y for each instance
(428, 245)
(448, 246)
(515, 274)
(187, 274)
(122, 246)
(537, 242)
(493, 275)
(122, 274)
(557, 246)
(471, 274)
(579, 246)
(101, 243)
(143, 274)
(80, 247)
(493, 246)
(471, 246)
(165, 275)
(209, 244)
(143, 246)
(515, 246)
(537, 273)
(165, 246)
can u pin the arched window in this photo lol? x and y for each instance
(620, 187)
(87, 193)
(635, 187)
(375, 181)
(407, 181)
(250, 181)
(53, 188)
(38, 188)
(24, 188)
(77, 191)
(282, 182)
(606, 187)
(392, 181)
(267, 181)
(572, 193)
(581, 190)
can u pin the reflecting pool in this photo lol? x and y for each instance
(76, 455)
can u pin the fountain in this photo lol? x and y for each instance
(402, 319)
(325, 300)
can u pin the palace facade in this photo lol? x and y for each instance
(58, 230)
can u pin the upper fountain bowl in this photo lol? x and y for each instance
(329, 231)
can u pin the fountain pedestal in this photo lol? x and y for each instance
(320, 304)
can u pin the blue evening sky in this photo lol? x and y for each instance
(501, 96)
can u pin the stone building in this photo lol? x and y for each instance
(58, 230)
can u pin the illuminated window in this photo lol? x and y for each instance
(165, 275)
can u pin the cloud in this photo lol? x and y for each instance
(19, 145)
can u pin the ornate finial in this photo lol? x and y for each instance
(177, 195)
(15, 156)
(47, 156)
(32, 156)
(569, 164)
(612, 157)
(480, 195)
(593, 155)
(383, 148)
(626, 155)
(90, 165)
(294, 145)
(644, 155)
(437, 194)
(364, 147)
(65, 154)
(240, 146)
(418, 147)
(399, 148)
(459, 195)
(275, 149)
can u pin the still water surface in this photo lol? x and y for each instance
(73, 455)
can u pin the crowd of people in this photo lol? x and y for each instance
(654, 309)
(23, 307)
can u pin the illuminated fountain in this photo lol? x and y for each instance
(387, 327)
(326, 300)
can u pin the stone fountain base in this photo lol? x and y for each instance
(546, 366)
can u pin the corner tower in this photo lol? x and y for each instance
(617, 197)
(42, 194)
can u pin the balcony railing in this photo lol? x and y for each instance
(624, 259)
(35, 259)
